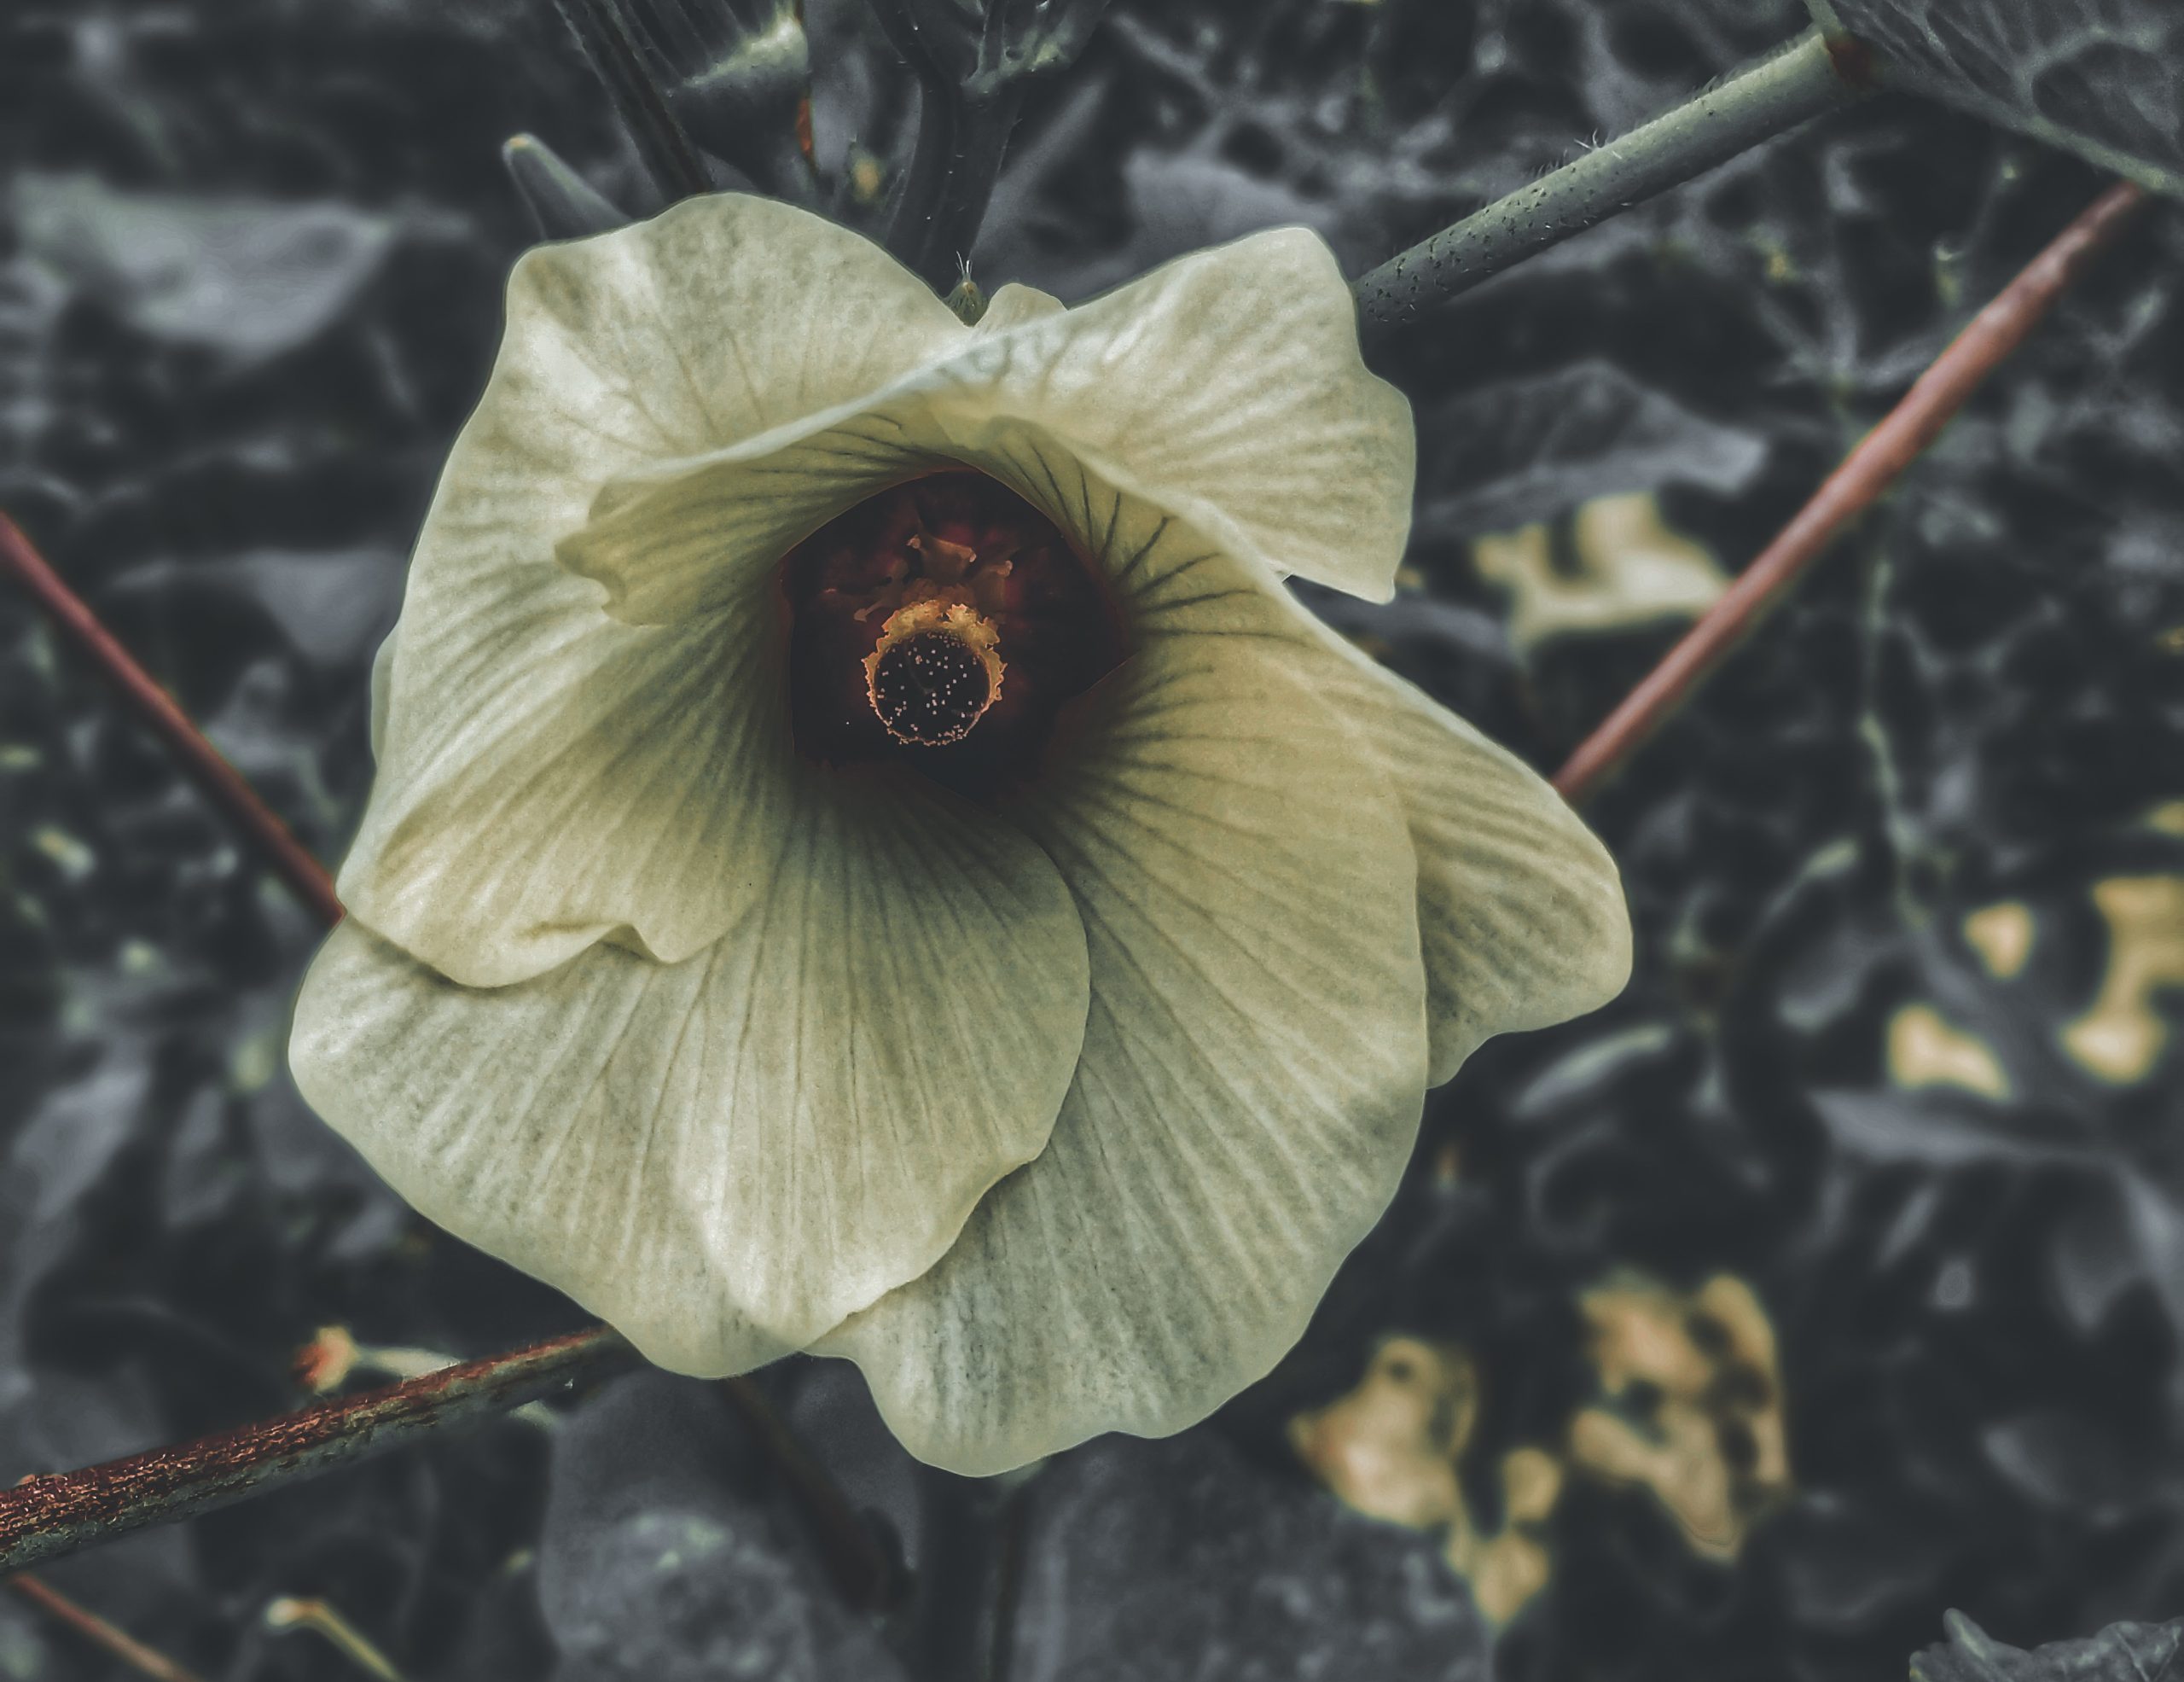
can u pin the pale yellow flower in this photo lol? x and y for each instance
(1047, 1073)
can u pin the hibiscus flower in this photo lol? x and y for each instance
(868, 857)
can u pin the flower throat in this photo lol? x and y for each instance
(944, 623)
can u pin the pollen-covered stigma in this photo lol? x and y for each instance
(937, 670)
(946, 621)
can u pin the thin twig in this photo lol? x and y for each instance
(45, 1517)
(199, 760)
(1812, 75)
(862, 1572)
(1864, 473)
(84, 1508)
(337, 1632)
(131, 1652)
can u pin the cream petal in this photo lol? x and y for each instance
(1015, 306)
(548, 775)
(1253, 1068)
(589, 780)
(722, 318)
(383, 666)
(1226, 388)
(669, 542)
(725, 1157)
(1521, 909)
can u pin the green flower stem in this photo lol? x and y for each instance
(962, 137)
(45, 1517)
(960, 1545)
(949, 181)
(865, 1573)
(1014, 1546)
(1812, 74)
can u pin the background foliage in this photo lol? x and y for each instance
(250, 262)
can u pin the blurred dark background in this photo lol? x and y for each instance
(1829, 1280)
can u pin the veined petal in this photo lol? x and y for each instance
(1225, 389)
(1520, 907)
(1015, 306)
(1253, 1068)
(547, 774)
(721, 318)
(727, 1155)
(375, 714)
(579, 779)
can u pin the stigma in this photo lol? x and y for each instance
(934, 672)
(899, 610)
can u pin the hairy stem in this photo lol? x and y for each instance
(199, 759)
(44, 1517)
(1811, 75)
(945, 191)
(1867, 471)
(962, 135)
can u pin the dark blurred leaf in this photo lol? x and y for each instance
(2101, 76)
(252, 277)
(1507, 454)
(1177, 1560)
(334, 605)
(2120, 1653)
(56, 1155)
(659, 1564)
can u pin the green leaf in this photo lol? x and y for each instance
(2097, 77)
(2120, 1653)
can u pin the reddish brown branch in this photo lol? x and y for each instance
(44, 1517)
(48, 1517)
(143, 1660)
(1864, 473)
(198, 758)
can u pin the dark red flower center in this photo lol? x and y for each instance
(945, 623)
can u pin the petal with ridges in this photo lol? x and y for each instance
(721, 318)
(1253, 1068)
(1225, 389)
(533, 751)
(1520, 907)
(726, 1156)
(592, 779)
